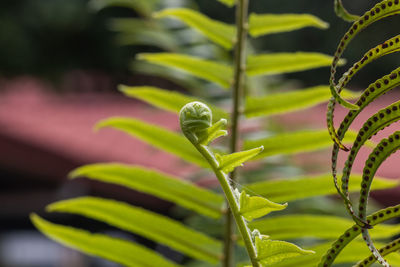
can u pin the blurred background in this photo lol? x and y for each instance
(60, 64)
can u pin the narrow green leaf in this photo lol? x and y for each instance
(228, 163)
(341, 12)
(207, 69)
(273, 251)
(315, 226)
(213, 132)
(145, 8)
(296, 142)
(155, 183)
(304, 187)
(145, 223)
(290, 101)
(261, 24)
(391, 247)
(137, 31)
(229, 3)
(167, 100)
(278, 63)
(218, 32)
(117, 250)
(253, 207)
(156, 136)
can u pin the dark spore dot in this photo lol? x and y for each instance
(394, 108)
(391, 43)
(355, 26)
(370, 165)
(366, 178)
(372, 89)
(385, 81)
(396, 2)
(372, 13)
(385, 45)
(366, 17)
(361, 21)
(384, 143)
(370, 258)
(341, 240)
(391, 139)
(362, 200)
(381, 115)
(381, 215)
(370, 123)
(372, 158)
(347, 234)
(390, 4)
(388, 111)
(350, 113)
(393, 76)
(355, 228)
(380, 148)
(397, 40)
(378, 85)
(388, 211)
(364, 186)
(396, 209)
(361, 208)
(351, 31)
(370, 54)
(377, 10)
(345, 37)
(346, 120)
(396, 136)
(375, 217)
(377, 50)
(359, 139)
(367, 171)
(365, 128)
(383, 6)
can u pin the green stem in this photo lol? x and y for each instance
(238, 84)
(233, 203)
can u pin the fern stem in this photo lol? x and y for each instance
(238, 84)
(233, 203)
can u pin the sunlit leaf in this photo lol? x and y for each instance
(315, 226)
(303, 187)
(296, 142)
(229, 3)
(156, 136)
(273, 251)
(261, 24)
(209, 70)
(167, 100)
(279, 103)
(228, 163)
(145, 8)
(278, 63)
(216, 130)
(145, 223)
(117, 250)
(253, 207)
(387, 249)
(155, 183)
(218, 32)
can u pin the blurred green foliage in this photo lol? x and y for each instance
(50, 37)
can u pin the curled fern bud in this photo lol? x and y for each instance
(195, 118)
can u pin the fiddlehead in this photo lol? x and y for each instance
(373, 125)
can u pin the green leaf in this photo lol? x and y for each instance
(221, 33)
(213, 132)
(229, 3)
(155, 183)
(278, 63)
(167, 100)
(228, 163)
(253, 207)
(341, 12)
(273, 251)
(145, 223)
(145, 8)
(209, 70)
(156, 136)
(296, 142)
(315, 226)
(261, 24)
(134, 31)
(391, 247)
(304, 187)
(117, 250)
(290, 101)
